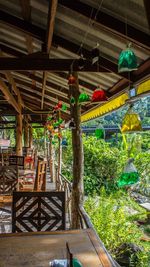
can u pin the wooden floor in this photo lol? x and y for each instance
(27, 249)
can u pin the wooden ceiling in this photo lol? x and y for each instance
(41, 40)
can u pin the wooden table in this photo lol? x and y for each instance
(37, 249)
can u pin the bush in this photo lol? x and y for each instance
(113, 223)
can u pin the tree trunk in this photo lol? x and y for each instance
(78, 156)
(19, 135)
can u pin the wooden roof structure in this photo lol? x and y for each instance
(42, 40)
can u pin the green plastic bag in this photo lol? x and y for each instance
(129, 176)
(127, 61)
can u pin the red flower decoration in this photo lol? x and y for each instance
(99, 95)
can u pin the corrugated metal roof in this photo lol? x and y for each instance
(77, 29)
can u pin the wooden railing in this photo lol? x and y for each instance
(63, 184)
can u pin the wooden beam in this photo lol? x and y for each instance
(26, 13)
(109, 22)
(31, 136)
(45, 64)
(19, 135)
(49, 36)
(9, 97)
(147, 10)
(14, 87)
(26, 131)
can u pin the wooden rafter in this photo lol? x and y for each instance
(49, 36)
(9, 97)
(26, 13)
(39, 33)
(14, 87)
(46, 64)
(11, 81)
(109, 22)
(147, 10)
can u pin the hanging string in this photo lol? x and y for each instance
(90, 23)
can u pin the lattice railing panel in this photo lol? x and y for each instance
(38, 211)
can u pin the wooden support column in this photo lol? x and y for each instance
(51, 163)
(26, 131)
(78, 156)
(59, 154)
(19, 135)
(45, 150)
(30, 136)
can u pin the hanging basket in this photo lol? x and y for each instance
(129, 176)
(127, 60)
(131, 122)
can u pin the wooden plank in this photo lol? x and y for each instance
(14, 87)
(39, 249)
(147, 10)
(45, 64)
(9, 97)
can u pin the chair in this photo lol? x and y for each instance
(40, 179)
(32, 181)
(18, 161)
(8, 179)
(38, 211)
(8, 184)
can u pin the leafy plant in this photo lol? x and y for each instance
(113, 222)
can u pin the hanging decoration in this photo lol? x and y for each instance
(71, 80)
(72, 124)
(49, 118)
(81, 62)
(58, 106)
(131, 122)
(99, 95)
(72, 100)
(64, 142)
(64, 107)
(129, 176)
(100, 133)
(83, 97)
(95, 54)
(127, 60)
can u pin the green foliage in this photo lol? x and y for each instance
(112, 218)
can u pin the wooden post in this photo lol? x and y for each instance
(45, 151)
(30, 136)
(26, 131)
(59, 155)
(51, 163)
(78, 156)
(19, 135)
